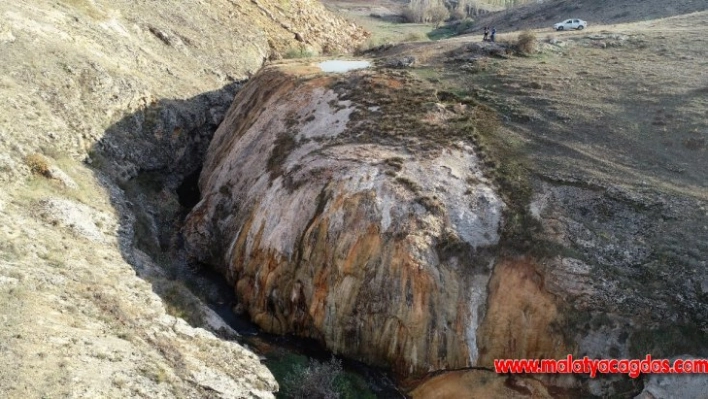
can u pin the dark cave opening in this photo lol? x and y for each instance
(188, 193)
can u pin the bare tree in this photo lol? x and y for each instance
(316, 381)
(426, 11)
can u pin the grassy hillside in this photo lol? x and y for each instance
(545, 14)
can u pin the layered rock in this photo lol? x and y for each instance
(351, 209)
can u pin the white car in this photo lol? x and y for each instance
(570, 24)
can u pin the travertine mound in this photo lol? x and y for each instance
(351, 209)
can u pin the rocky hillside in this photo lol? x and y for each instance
(65, 59)
(102, 100)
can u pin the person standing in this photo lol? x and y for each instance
(494, 33)
(486, 33)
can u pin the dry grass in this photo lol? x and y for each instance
(86, 7)
(527, 43)
(607, 112)
(39, 187)
(38, 164)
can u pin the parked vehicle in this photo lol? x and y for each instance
(571, 24)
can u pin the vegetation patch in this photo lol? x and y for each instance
(432, 204)
(299, 52)
(409, 184)
(303, 378)
(180, 301)
(38, 164)
(526, 43)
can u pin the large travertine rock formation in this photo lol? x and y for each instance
(359, 209)
(341, 217)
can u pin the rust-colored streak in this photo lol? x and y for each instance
(520, 315)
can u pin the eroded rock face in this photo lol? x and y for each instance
(340, 217)
(520, 316)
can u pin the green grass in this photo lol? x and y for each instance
(388, 32)
(449, 30)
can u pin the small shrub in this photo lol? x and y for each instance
(316, 381)
(395, 162)
(464, 26)
(432, 205)
(38, 164)
(464, 9)
(413, 37)
(526, 43)
(299, 52)
(373, 44)
(438, 15)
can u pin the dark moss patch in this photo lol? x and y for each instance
(432, 204)
(668, 341)
(409, 184)
(396, 163)
(283, 146)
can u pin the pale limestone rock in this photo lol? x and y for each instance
(669, 386)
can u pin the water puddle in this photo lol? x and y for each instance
(341, 66)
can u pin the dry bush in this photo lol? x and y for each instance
(317, 380)
(465, 9)
(299, 52)
(526, 43)
(414, 37)
(38, 164)
(458, 14)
